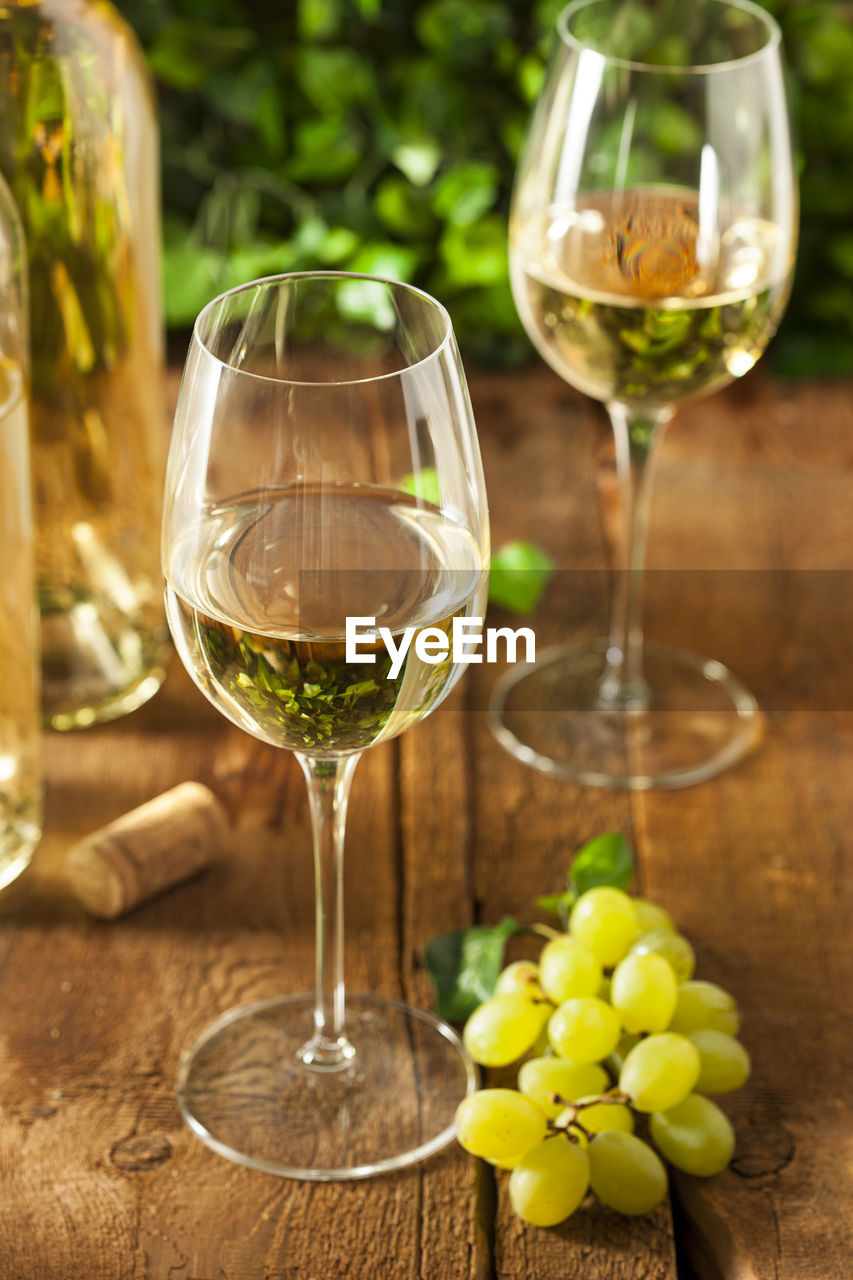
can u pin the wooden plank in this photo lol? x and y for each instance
(753, 863)
(542, 445)
(756, 867)
(105, 1180)
(436, 839)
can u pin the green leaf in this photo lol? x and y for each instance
(250, 262)
(417, 160)
(476, 255)
(318, 19)
(462, 32)
(531, 77)
(315, 241)
(192, 275)
(391, 261)
(185, 51)
(325, 150)
(464, 192)
(558, 904)
(841, 254)
(366, 301)
(606, 860)
(401, 207)
(239, 92)
(333, 79)
(464, 966)
(671, 128)
(518, 576)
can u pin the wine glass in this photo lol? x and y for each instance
(324, 478)
(652, 241)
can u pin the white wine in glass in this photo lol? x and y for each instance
(324, 467)
(652, 243)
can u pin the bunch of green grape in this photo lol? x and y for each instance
(612, 1029)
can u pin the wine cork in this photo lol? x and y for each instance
(148, 850)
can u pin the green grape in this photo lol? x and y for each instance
(625, 1173)
(694, 1136)
(503, 1028)
(723, 1062)
(539, 1078)
(521, 978)
(499, 1124)
(703, 1006)
(567, 968)
(643, 992)
(659, 1072)
(549, 1183)
(674, 948)
(597, 1117)
(605, 921)
(652, 916)
(584, 1029)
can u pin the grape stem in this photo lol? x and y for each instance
(574, 1109)
(542, 931)
(603, 1099)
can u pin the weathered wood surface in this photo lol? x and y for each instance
(99, 1177)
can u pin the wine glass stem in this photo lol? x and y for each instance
(637, 437)
(328, 794)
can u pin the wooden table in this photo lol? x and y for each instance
(100, 1179)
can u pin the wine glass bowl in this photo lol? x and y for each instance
(652, 239)
(324, 467)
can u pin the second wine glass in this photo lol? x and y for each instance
(324, 467)
(652, 244)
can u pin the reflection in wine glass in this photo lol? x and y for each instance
(324, 467)
(652, 243)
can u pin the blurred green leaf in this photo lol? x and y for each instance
(391, 261)
(462, 31)
(316, 242)
(841, 254)
(319, 19)
(324, 151)
(368, 301)
(531, 77)
(671, 128)
(191, 276)
(185, 51)
(464, 192)
(476, 254)
(417, 160)
(402, 208)
(605, 860)
(394, 126)
(827, 53)
(238, 92)
(333, 79)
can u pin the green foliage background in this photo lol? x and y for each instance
(381, 136)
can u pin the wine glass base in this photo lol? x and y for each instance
(244, 1090)
(699, 721)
